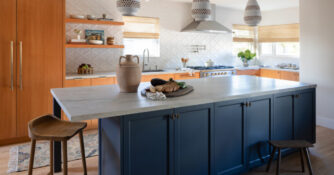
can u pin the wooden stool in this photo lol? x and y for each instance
(302, 145)
(51, 128)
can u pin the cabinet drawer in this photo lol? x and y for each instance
(77, 83)
(270, 73)
(184, 76)
(254, 72)
(103, 81)
(286, 75)
(147, 78)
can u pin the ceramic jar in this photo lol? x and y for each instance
(252, 13)
(128, 74)
(128, 7)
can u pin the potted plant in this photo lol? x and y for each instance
(246, 56)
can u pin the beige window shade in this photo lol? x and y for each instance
(243, 33)
(279, 33)
(141, 27)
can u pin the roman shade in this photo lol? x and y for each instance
(243, 33)
(141, 27)
(279, 33)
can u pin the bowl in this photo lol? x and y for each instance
(91, 17)
(78, 16)
(95, 42)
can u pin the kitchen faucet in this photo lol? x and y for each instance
(148, 57)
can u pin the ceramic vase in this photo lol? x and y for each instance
(201, 10)
(128, 7)
(128, 74)
(252, 13)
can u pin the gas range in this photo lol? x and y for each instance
(214, 71)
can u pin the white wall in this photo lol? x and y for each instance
(277, 17)
(317, 58)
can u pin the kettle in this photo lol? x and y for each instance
(209, 63)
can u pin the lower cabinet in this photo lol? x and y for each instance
(223, 138)
(257, 130)
(228, 137)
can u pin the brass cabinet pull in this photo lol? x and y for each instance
(297, 96)
(177, 116)
(12, 65)
(21, 85)
(249, 104)
(172, 116)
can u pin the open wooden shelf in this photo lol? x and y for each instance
(92, 46)
(86, 21)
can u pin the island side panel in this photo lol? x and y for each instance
(110, 140)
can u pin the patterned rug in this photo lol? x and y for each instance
(19, 155)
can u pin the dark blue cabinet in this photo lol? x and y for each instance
(146, 143)
(228, 137)
(192, 140)
(304, 115)
(283, 117)
(257, 129)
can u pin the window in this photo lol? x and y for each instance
(290, 49)
(241, 46)
(243, 38)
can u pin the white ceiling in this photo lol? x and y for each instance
(264, 4)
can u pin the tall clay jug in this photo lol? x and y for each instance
(128, 74)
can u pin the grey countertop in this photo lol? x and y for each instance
(85, 103)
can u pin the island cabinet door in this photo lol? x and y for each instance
(192, 140)
(228, 137)
(282, 123)
(146, 143)
(257, 129)
(304, 115)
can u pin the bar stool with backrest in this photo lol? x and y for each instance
(50, 128)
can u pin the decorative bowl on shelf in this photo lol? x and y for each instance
(95, 42)
(77, 16)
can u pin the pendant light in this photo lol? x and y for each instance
(252, 13)
(201, 10)
(128, 7)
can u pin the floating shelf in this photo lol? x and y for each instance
(92, 46)
(86, 21)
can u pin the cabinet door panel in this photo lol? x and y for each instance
(283, 118)
(103, 81)
(7, 69)
(257, 125)
(228, 138)
(40, 29)
(146, 144)
(304, 116)
(192, 140)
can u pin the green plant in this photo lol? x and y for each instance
(247, 55)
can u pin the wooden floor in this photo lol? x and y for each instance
(322, 158)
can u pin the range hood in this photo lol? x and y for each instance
(207, 26)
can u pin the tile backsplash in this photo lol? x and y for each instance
(173, 44)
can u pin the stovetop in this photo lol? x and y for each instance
(210, 68)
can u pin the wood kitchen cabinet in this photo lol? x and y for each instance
(254, 72)
(103, 81)
(277, 74)
(270, 73)
(31, 48)
(185, 76)
(286, 75)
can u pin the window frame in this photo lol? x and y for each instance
(274, 51)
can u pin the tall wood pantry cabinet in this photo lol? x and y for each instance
(31, 62)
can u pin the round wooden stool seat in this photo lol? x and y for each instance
(49, 127)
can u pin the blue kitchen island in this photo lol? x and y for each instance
(220, 128)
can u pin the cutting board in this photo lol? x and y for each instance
(178, 93)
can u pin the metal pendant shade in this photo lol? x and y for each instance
(201, 10)
(128, 7)
(252, 13)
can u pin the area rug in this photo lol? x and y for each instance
(20, 155)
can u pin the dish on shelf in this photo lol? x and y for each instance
(77, 16)
(91, 17)
(95, 42)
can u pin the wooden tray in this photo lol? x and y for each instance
(178, 93)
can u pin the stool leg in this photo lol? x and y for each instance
(83, 152)
(32, 156)
(64, 143)
(278, 161)
(308, 160)
(302, 159)
(271, 159)
(51, 157)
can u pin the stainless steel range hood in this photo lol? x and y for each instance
(209, 26)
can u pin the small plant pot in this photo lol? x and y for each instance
(245, 63)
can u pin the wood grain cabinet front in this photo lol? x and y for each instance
(103, 81)
(254, 72)
(185, 76)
